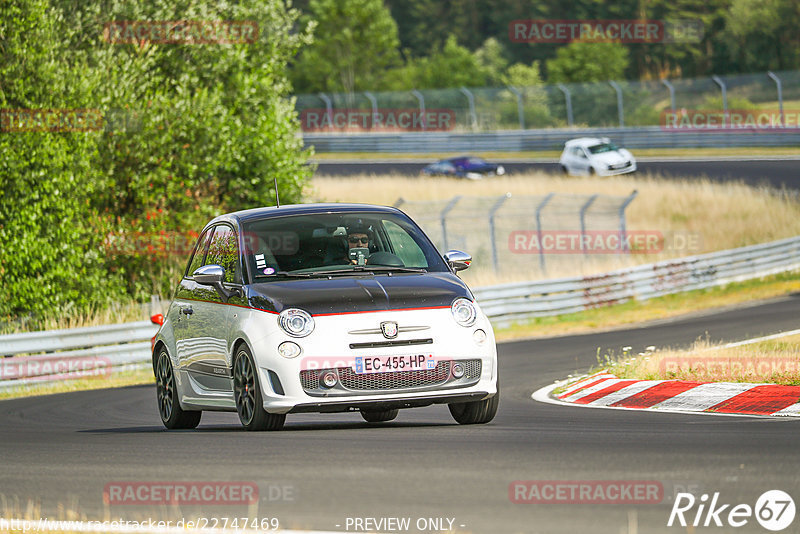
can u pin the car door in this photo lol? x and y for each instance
(205, 349)
(181, 312)
(582, 162)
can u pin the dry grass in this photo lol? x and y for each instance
(723, 215)
(775, 361)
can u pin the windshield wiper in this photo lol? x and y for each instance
(368, 269)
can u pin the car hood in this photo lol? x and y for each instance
(349, 294)
(613, 158)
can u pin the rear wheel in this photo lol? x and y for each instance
(475, 412)
(375, 416)
(247, 394)
(564, 169)
(172, 415)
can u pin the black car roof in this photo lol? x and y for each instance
(300, 209)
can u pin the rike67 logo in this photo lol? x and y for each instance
(774, 510)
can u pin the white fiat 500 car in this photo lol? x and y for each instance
(595, 156)
(322, 308)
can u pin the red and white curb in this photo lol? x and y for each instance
(604, 390)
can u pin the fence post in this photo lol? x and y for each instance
(584, 209)
(568, 98)
(539, 209)
(421, 99)
(724, 89)
(374, 102)
(620, 111)
(622, 228)
(520, 109)
(492, 213)
(780, 93)
(443, 217)
(328, 108)
(671, 93)
(471, 101)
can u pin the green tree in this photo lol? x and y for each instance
(355, 42)
(581, 62)
(765, 33)
(449, 66)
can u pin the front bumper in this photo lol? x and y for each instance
(293, 385)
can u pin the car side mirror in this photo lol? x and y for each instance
(209, 275)
(457, 260)
(213, 275)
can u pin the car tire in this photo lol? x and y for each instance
(564, 169)
(592, 172)
(475, 412)
(169, 408)
(379, 416)
(247, 395)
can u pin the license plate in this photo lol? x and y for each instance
(365, 365)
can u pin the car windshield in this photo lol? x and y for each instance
(603, 147)
(336, 244)
(475, 161)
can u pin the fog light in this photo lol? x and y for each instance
(329, 379)
(288, 349)
(458, 370)
(479, 336)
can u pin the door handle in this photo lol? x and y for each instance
(187, 310)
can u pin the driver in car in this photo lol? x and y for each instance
(358, 244)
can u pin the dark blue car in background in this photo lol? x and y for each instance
(469, 167)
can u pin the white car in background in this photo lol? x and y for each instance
(595, 156)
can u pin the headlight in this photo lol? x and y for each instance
(464, 312)
(296, 323)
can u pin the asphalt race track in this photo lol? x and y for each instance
(61, 451)
(778, 172)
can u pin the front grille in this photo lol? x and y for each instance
(349, 380)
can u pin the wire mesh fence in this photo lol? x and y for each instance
(601, 104)
(540, 236)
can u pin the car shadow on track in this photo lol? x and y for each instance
(290, 427)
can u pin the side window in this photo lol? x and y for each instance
(199, 253)
(404, 246)
(224, 250)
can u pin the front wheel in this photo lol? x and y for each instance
(475, 412)
(172, 415)
(247, 394)
(378, 416)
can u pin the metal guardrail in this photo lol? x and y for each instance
(508, 303)
(92, 351)
(544, 139)
(53, 355)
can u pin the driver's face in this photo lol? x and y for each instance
(358, 240)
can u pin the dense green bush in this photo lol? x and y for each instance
(191, 131)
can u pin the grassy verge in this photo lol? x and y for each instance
(554, 154)
(124, 378)
(775, 361)
(654, 309)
